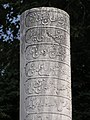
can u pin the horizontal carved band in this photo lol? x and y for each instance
(47, 116)
(47, 35)
(46, 68)
(47, 52)
(47, 104)
(48, 86)
(45, 18)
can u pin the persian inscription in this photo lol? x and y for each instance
(47, 35)
(35, 104)
(45, 80)
(46, 116)
(47, 52)
(47, 86)
(53, 50)
(47, 19)
(46, 68)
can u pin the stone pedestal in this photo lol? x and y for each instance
(45, 75)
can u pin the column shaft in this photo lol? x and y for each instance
(45, 72)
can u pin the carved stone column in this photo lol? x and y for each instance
(45, 80)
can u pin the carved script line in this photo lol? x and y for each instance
(47, 60)
(50, 27)
(49, 113)
(48, 96)
(60, 11)
(47, 77)
(44, 43)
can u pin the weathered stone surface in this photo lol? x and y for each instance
(45, 73)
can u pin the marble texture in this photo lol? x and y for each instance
(45, 70)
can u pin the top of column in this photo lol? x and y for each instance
(49, 9)
(47, 17)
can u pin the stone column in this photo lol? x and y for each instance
(45, 79)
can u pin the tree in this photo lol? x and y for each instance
(79, 12)
(9, 60)
(9, 80)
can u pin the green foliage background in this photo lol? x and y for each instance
(79, 11)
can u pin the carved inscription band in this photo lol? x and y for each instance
(45, 72)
